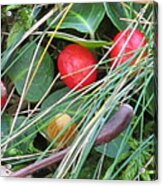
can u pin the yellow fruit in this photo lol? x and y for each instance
(59, 124)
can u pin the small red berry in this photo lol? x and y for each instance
(74, 62)
(3, 95)
(136, 41)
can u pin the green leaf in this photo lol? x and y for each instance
(25, 20)
(26, 14)
(5, 124)
(16, 33)
(54, 97)
(24, 147)
(83, 42)
(84, 17)
(117, 10)
(42, 79)
(27, 145)
(112, 148)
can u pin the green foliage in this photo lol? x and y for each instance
(27, 145)
(23, 148)
(115, 11)
(131, 171)
(81, 41)
(149, 92)
(84, 17)
(136, 168)
(123, 158)
(56, 96)
(16, 33)
(26, 17)
(112, 148)
(23, 23)
(13, 7)
(43, 77)
(88, 170)
(24, 14)
(6, 120)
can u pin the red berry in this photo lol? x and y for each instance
(136, 41)
(3, 95)
(74, 62)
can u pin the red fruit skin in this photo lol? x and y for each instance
(136, 41)
(3, 95)
(74, 58)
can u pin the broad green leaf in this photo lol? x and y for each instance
(54, 97)
(117, 10)
(84, 17)
(112, 147)
(81, 41)
(42, 79)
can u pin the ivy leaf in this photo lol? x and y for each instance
(113, 147)
(43, 77)
(84, 17)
